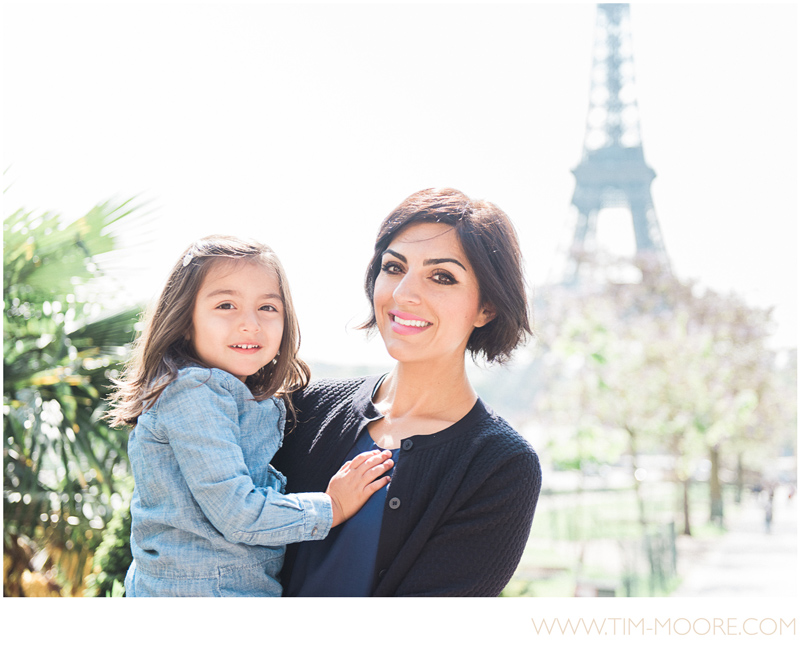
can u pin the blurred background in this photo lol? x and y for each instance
(646, 154)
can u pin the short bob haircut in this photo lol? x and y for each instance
(164, 346)
(490, 243)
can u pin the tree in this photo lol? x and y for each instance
(673, 367)
(64, 469)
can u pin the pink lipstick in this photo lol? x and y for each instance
(405, 323)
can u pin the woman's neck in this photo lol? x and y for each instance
(426, 391)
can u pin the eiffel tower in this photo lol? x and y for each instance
(612, 172)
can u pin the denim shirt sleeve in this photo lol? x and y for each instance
(199, 417)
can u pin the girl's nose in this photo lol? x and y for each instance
(249, 322)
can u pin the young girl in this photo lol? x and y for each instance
(205, 391)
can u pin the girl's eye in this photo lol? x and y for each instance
(391, 268)
(442, 277)
(225, 305)
(267, 308)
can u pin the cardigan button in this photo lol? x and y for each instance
(381, 573)
(407, 444)
(394, 503)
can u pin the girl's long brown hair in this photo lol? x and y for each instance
(163, 347)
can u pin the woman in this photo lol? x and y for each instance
(445, 278)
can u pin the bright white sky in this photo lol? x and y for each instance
(304, 125)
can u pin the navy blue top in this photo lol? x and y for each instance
(463, 497)
(343, 564)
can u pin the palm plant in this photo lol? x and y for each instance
(64, 469)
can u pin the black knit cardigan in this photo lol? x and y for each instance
(460, 505)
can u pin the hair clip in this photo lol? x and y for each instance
(187, 259)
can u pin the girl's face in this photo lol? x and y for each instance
(237, 322)
(427, 298)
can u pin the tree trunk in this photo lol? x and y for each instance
(636, 486)
(739, 478)
(715, 487)
(687, 529)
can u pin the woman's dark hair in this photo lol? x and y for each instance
(163, 348)
(490, 244)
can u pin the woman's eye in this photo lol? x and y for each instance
(441, 277)
(391, 268)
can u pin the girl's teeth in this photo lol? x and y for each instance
(410, 323)
(246, 347)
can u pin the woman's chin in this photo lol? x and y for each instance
(402, 352)
(413, 355)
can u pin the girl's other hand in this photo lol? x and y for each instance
(356, 481)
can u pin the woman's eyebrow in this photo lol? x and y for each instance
(442, 260)
(402, 258)
(429, 262)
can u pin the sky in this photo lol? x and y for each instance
(303, 126)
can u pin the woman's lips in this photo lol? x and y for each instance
(405, 323)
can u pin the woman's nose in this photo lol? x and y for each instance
(407, 291)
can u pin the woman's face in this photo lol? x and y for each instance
(427, 299)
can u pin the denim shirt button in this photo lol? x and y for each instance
(394, 503)
(314, 532)
(407, 444)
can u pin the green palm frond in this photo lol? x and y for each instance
(63, 465)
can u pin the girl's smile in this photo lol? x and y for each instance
(237, 322)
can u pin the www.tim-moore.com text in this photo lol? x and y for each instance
(667, 626)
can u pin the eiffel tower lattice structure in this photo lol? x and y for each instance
(612, 172)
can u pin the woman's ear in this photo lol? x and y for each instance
(486, 315)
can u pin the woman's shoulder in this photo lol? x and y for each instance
(498, 435)
(500, 451)
(326, 392)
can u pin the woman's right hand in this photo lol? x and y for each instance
(356, 481)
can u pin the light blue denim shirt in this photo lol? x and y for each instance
(209, 514)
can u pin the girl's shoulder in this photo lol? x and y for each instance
(195, 384)
(195, 376)
(198, 392)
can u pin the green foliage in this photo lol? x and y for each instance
(113, 557)
(62, 464)
(673, 368)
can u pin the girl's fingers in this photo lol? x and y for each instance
(366, 457)
(373, 487)
(377, 470)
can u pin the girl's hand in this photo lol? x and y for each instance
(356, 482)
